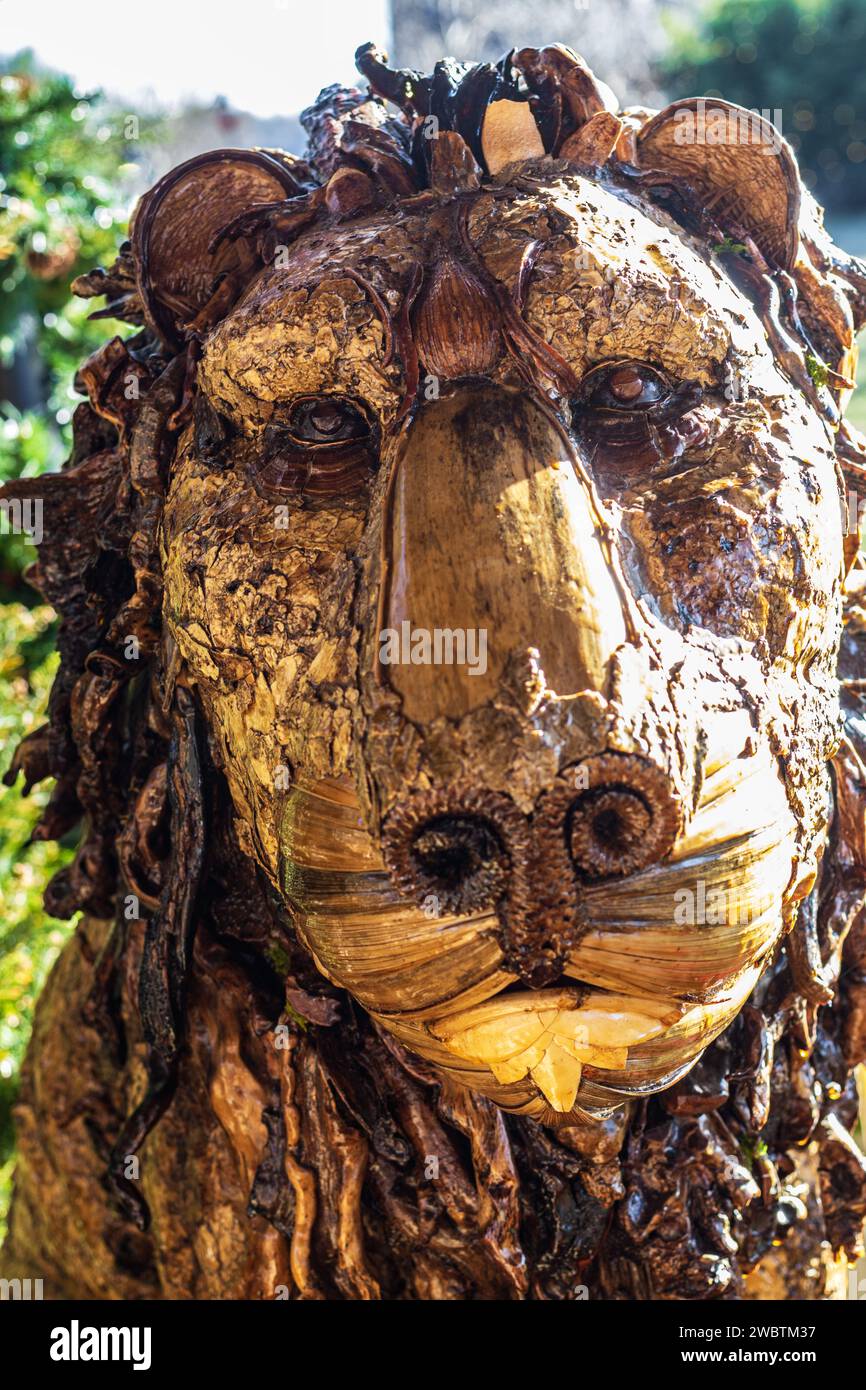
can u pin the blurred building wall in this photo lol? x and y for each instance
(198, 128)
(618, 38)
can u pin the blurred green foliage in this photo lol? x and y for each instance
(856, 411)
(67, 162)
(29, 940)
(67, 171)
(804, 57)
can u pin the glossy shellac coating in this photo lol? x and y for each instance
(480, 517)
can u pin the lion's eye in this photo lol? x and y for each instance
(326, 420)
(319, 445)
(632, 420)
(627, 386)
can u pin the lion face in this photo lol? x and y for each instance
(556, 866)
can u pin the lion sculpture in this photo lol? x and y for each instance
(460, 693)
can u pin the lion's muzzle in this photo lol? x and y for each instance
(524, 562)
(464, 849)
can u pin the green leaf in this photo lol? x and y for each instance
(729, 247)
(817, 370)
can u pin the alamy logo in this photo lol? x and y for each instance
(22, 517)
(706, 124)
(853, 513)
(713, 906)
(75, 1343)
(438, 646)
(20, 1289)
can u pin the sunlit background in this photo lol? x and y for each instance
(97, 98)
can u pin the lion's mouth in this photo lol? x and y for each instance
(551, 1035)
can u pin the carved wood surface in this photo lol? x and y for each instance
(535, 973)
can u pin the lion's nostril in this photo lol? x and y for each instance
(460, 860)
(608, 830)
(455, 847)
(627, 819)
(619, 813)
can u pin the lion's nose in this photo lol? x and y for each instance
(493, 540)
(462, 858)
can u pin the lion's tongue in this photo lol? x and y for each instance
(552, 1034)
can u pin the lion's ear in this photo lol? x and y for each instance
(175, 224)
(738, 163)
